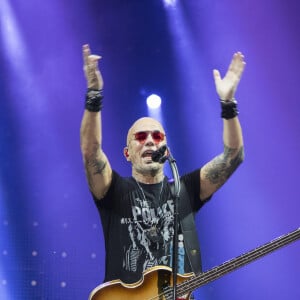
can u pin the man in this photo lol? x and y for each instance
(137, 212)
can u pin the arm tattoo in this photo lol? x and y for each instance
(97, 165)
(97, 168)
(94, 165)
(222, 166)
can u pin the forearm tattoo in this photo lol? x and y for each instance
(222, 166)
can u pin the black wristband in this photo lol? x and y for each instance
(93, 100)
(229, 109)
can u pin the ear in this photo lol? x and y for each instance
(126, 154)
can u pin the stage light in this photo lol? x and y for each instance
(153, 101)
(170, 3)
(13, 44)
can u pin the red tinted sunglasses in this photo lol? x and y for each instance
(141, 136)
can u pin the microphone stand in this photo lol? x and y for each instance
(172, 163)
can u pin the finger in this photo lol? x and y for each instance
(86, 52)
(242, 62)
(217, 76)
(237, 64)
(94, 58)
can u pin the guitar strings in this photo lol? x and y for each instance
(228, 266)
(241, 260)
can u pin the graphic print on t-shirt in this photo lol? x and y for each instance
(150, 232)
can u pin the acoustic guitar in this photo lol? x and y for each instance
(156, 282)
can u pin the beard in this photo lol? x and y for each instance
(150, 169)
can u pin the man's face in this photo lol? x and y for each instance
(144, 137)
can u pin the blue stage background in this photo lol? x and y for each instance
(51, 245)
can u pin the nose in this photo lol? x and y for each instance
(149, 140)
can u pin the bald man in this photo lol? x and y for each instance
(137, 212)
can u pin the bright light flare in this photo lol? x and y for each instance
(153, 101)
(12, 39)
(169, 3)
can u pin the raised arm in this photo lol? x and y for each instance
(215, 173)
(97, 167)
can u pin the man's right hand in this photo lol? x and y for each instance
(91, 70)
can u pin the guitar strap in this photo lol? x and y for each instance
(188, 228)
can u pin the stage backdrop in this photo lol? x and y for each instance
(51, 244)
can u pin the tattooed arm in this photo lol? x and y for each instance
(215, 173)
(97, 167)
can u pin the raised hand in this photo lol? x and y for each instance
(227, 85)
(91, 69)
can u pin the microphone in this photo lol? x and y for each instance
(158, 155)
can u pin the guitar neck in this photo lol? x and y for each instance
(235, 263)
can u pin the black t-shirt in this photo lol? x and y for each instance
(137, 222)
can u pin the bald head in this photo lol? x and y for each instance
(144, 124)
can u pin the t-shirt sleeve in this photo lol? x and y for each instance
(192, 184)
(118, 196)
(106, 201)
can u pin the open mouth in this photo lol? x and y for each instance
(147, 153)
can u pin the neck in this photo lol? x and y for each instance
(148, 178)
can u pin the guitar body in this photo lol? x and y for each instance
(151, 286)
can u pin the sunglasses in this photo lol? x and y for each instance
(141, 136)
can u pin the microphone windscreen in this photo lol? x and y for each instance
(158, 154)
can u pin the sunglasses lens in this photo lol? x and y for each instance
(141, 136)
(157, 136)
